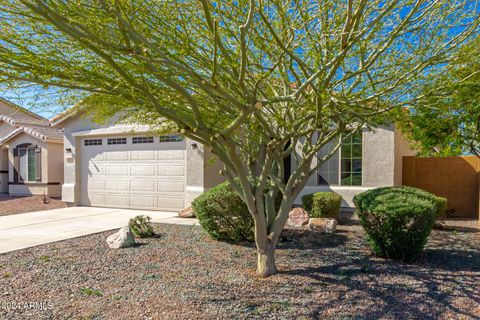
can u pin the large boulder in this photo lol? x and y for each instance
(298, 217)
(122, 239)
(187, 213)
(324, 225)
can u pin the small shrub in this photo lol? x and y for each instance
(223, 214)
(44, 258)
(91, 292)
(397, 220)
(442, 205)
(322, 204)
(141, 227)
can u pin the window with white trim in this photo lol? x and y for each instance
(117, 141)
(93, 142)
(344, 168)
(137, 140)
(171, 138)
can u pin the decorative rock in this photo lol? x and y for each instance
(122, 239)
(187, 213)
(325, 225)
(298, 217)
(440, 225)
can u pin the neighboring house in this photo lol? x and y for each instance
(124, 166)
(31, 153)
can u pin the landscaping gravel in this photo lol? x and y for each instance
(16, 204)
(184, 275)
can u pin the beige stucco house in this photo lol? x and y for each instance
(114, 165)
(31, 153)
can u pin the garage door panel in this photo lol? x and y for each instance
(116, 200)
(170, 203)
(142, 201)
(142, 186)
(116, 185)
(171, 186)
(116, 170)
(171, 155)
(117, 156)
(171, 170)
(95, 199)
(137, 176)
(143, 170)
(96, 184)
(143, 155)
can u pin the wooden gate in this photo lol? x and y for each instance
(455, 178)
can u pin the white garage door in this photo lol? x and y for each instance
(137, 172)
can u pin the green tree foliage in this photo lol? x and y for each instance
(445, 119)
(255, 81)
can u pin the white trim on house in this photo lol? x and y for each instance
(118, 129)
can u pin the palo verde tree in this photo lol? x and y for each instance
(445, 119)
(255, 81)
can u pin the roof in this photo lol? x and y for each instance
(17, 120)
(65, 115)
(29, 123)
(16, 106)
(43, 133)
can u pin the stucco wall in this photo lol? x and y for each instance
(195, 179)
(378, 157)
(212, 168)
(402, 149)
(55, 162)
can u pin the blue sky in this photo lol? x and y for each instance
(42, 101)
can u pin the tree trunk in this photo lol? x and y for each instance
(266, 261)
(266, 236)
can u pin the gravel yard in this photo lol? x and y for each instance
(184, 275)
(13, 204)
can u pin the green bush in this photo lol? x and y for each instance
(141, 227)
(223, 214)
(441, 207)
(322, 204)
(397, 220)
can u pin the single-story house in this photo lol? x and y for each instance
(114, 165)
(31, 153)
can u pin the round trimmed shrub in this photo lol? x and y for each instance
(223, 214)
(397, 220)
(322, 204)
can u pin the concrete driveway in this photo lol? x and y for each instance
(26, 230)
